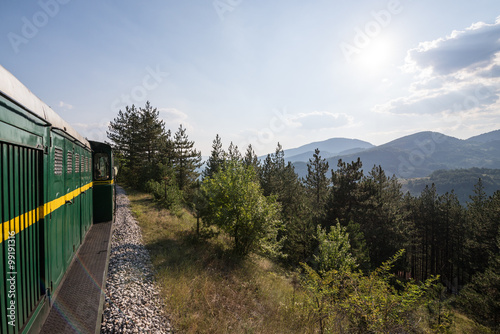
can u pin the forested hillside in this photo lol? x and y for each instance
(461, 181)
(347, 229)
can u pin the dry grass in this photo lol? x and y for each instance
(464, 325)
(209, 290)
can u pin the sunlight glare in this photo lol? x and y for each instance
(376, 56)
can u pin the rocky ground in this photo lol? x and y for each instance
(132, 302)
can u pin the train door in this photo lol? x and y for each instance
(82, 206)
(75, 208)
(86, 201)
(56, 211)
(103, 181)
(21, 235)
(69, 212)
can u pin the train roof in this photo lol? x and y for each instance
(14, 90)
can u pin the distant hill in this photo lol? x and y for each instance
(308, 155)
(328, 148)
(486, 137)
(420, 154)
(462, 181)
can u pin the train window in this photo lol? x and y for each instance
(69, 162)
(101, 166)
(77, 163)
(58, 161)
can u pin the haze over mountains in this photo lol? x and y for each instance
(413, 156)
(329, 148)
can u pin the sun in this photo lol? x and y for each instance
(376, 55)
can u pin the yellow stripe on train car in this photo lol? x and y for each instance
(104, 183)
(35, 215)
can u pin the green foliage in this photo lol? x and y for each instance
(375, 203)
(460, 181)
(346, 301)
(233, 153)
(280, 181)
(483, 218)
(334, 250)
(299, 241)
(359, 249)
(271, 172)
(234, 203)
(325, 292)
(366, 219)
(317, 182)
(380, 214)
(481, 298)
(137, 135)
(438, 307)
(375, 305)
(185, 160)
(166, 193)
(251, 159)
(345, 195)
(216, 160)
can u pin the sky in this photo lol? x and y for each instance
(262, 72)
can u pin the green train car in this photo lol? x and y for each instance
(104, 185)
(47, 175)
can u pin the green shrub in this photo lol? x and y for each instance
(167, 194)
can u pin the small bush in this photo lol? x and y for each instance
(167, 194)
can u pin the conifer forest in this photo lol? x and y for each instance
(349, 230)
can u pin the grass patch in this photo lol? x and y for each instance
(209, 290)
(464, 325)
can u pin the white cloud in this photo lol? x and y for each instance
(456, 74)
(172, 114)
(65, 105)
(476, 46)
(471, 96)
(318, 120)
(93, 131)
(173, 118)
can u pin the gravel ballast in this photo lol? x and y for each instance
(132, 303)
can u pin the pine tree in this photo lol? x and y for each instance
(152, 130)
(186, 159)
(151, 135)
(481, 229)
(138, 135)
(345, 195)
(272, 171)
(481, 298)
(425, 225)
(251, 159)
(216, 160)
(379, 213)
(122, 131)
(267, 176)
(233, 154)
(452, 241)
(317, 182)
(280, 181)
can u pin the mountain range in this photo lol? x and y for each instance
(412, 156)
(328, 148)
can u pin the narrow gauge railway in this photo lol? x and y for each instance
(54, 186)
